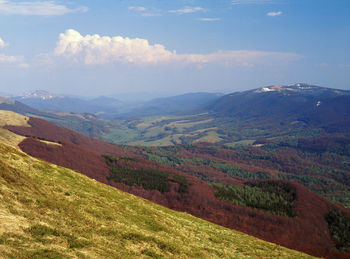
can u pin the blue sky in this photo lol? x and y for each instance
(171, 47)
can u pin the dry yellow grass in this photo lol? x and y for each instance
(211, 137)
(50, 142)
(12, 118)
(10, 138)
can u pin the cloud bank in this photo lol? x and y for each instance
(39, 8)
(100, 50)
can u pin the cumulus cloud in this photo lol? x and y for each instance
(274, 13)
(3, 44)
(207, 19)
(188, 9)
(99, 50)
(94, 49)
(40, 8)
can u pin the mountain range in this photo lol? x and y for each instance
(242, 117)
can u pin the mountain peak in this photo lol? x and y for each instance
(39, 94)
(301, 88)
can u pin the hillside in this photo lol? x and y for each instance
(300, 103)
(48, 211)
(304, 227)
(86, 124)
(267, 112)
(185, 103)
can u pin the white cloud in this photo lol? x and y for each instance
(137, 8)
(247, 58)
(3, 44)
(14, 60)
(151, 14)
(188, 9)
(10, 59)
(101, 50)
(274, 13)
(207, 19)
(240, 2)
(322, 64)
(94, 49)
(40, 8)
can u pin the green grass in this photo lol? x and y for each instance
(48, 211)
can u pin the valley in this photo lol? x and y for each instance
(286, 183)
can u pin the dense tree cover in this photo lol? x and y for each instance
(322, 164)
(239, 172)
(182, 181)
(269, 196)
(339, 227)
(149, 179)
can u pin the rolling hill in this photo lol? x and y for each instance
(305, 228)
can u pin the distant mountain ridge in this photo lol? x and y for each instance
(39, 94)
(313, 105)
(44, 100)
(185, 103)
(266, 112)
(109, 107)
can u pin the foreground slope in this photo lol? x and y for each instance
(50, 211)
(306, 231)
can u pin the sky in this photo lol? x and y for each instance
(166, 47)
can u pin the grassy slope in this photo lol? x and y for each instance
(52, 212)
(14, 119)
